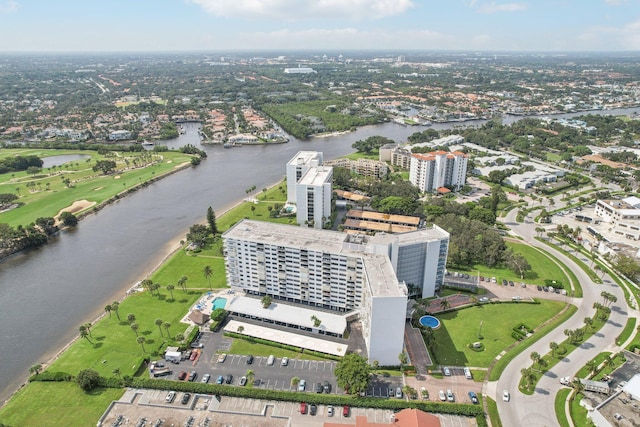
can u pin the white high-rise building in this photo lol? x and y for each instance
(297, 167)
(340, 272)
(313, 197)
(431, 171)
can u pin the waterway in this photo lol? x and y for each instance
(47, 293)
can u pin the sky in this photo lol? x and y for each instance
(331, 25)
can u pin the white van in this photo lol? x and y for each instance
(467, 374)
(270, 360)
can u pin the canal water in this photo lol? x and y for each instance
(47, 293)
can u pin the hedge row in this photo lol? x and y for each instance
(51, 376)
(263, 341)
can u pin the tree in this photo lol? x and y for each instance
(352, 373)
(166, 326)
(517, 263)
(182, 283)
(266, 301)
(69, 219)
(170, 288)
(207, 272)
(535, 356)
(141, 341)
(106, 166)
(553, 346)
(588, 321)
(253, 209)
(250, 375)
(198, 234)
(211, 220)
(35, 369)
(591, 365)
(115, 306)
(159, 323)
(240, 329)
(87, 379)
(294, 382)
(131, 318)
(316, 321)
(88, 325)
(134, 328)
(84, 334)
(108, 309)
(403, 358)
(445, 304)
(148, 285)
(116, 372)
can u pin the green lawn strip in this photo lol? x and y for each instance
(501, 364)
(576, 283)
(585, 371)
(386, 372)
(578, 413)
(592, 274)
(560, 404)
(373, 155)
(547, 362)
(492, 409)
(57, 404)
(478, 375)
(182, 263)
(88, 184)
(541, 268)
(114, 344)
(629, 329)
(614, 363)
(461, 327)
(241, 346)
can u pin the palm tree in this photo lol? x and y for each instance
(159, 323)
(605, 297)
(535, 356)
(116, 372)
(84, 334)
(182, 282)
(553, 346)
(207, 272)
(250, 375)
(135, 327)
(578, 387)
(115, 306)
(131, 318)
(266, 301)
(240, 329)
(170, 288)
(316, 321)
(167, 325)
(88, 326)
(403, 358)
(108, 309)
(445, 304)
(588, 321)
(591, 365)
(294, 382)
(35, 369)
(141, 341)
(148, 285)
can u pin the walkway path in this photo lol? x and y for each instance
(416, 349)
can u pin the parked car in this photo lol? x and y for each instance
(185, 398)
(243, 381)
(313, 409)
(194, 354)
(330, 411)
(504, 282)
(398, 393)
(222, 358)
(442, 396)
(511, 283)
(228, 379)
(303, 408)
(506, 396)
(270, 360)
(205, 378)
(392, 392)
(285, 361)
(450, 397)
(170, 396)
(302, 385)
(474, 397)
(345, 411)
(447, 371)
(186, 355)
(220, 379)
(249, 359)
(196, 345)
(182, 376)
(193, 375)
(319, 388)
(539, 288)
(326, 386)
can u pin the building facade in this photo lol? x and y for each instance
(313, 197)
(297, 167)
(338, 272)
(438, 169)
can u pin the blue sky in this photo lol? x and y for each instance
(332, 25)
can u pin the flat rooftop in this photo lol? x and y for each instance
(383, 217)
(304, 158)
(290, 338)
(317, 176)
(378, 226)
(286, 313)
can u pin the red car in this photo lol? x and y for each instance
(303, 408)
(345, 411)
(194, 354)
(182, 376)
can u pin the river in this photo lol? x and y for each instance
(47, 293)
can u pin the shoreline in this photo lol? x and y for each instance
(172, 247)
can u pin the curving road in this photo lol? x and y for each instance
(538, 409)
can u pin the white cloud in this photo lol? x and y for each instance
(8, 6)
(305, 9)
(494, 7)
(626, 37)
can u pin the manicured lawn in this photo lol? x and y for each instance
(57, 404)
(578, 413)
(629, 329)
(492, 408)
(561, 399)
(241, 346)
(584, 371)
(49, 194)
(460, 328)
(541, 267)
(113, 342)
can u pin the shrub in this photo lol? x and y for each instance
(88, 379)
(51, 376)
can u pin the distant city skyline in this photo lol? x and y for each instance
(332, 25)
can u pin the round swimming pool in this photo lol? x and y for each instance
(430, 322)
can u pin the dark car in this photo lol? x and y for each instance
(185, 398)
(539, 287)
(511, 283)
(345, 411)
(182, 375)
(504, 282)
(228, 379)
(319, 388)
(313, 409)
(474, 397)
(249, 360)
(392, 392)
(327, 387)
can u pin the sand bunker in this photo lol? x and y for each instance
(116, 177)
(77, 206)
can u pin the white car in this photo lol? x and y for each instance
(447, 372)
(506, 396)
(302, 385)
(450, 397)
(442, 396)
(222, 358)
(205, 378)
(285, 361)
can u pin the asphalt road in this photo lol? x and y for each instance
(538, 409)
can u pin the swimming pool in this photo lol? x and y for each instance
(430, 322)
(219, 303)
